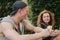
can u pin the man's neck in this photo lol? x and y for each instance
(16, 19)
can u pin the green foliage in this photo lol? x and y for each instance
(5, 7)
(38, 5)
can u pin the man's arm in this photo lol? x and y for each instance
(29, 26)
(13, 35)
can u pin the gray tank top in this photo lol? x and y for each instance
(20, 29)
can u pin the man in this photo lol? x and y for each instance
(10, 24)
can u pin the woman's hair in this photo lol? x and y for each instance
(40, 20)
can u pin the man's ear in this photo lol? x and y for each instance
(22, 9)
(19, 10)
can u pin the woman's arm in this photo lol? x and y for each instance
(57, 32)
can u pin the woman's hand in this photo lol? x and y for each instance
(57, 32)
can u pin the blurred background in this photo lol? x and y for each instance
(35, 7)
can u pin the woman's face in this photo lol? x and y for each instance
(46, 17)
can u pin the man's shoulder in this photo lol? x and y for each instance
(5, 25)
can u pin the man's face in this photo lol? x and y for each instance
(24, 13)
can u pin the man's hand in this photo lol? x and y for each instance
(46, 33)
(38, 29)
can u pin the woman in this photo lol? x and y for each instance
(45, 18)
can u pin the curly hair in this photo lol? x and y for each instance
(40, 20)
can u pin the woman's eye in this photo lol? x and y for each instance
(44, 16)
(47, 16)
